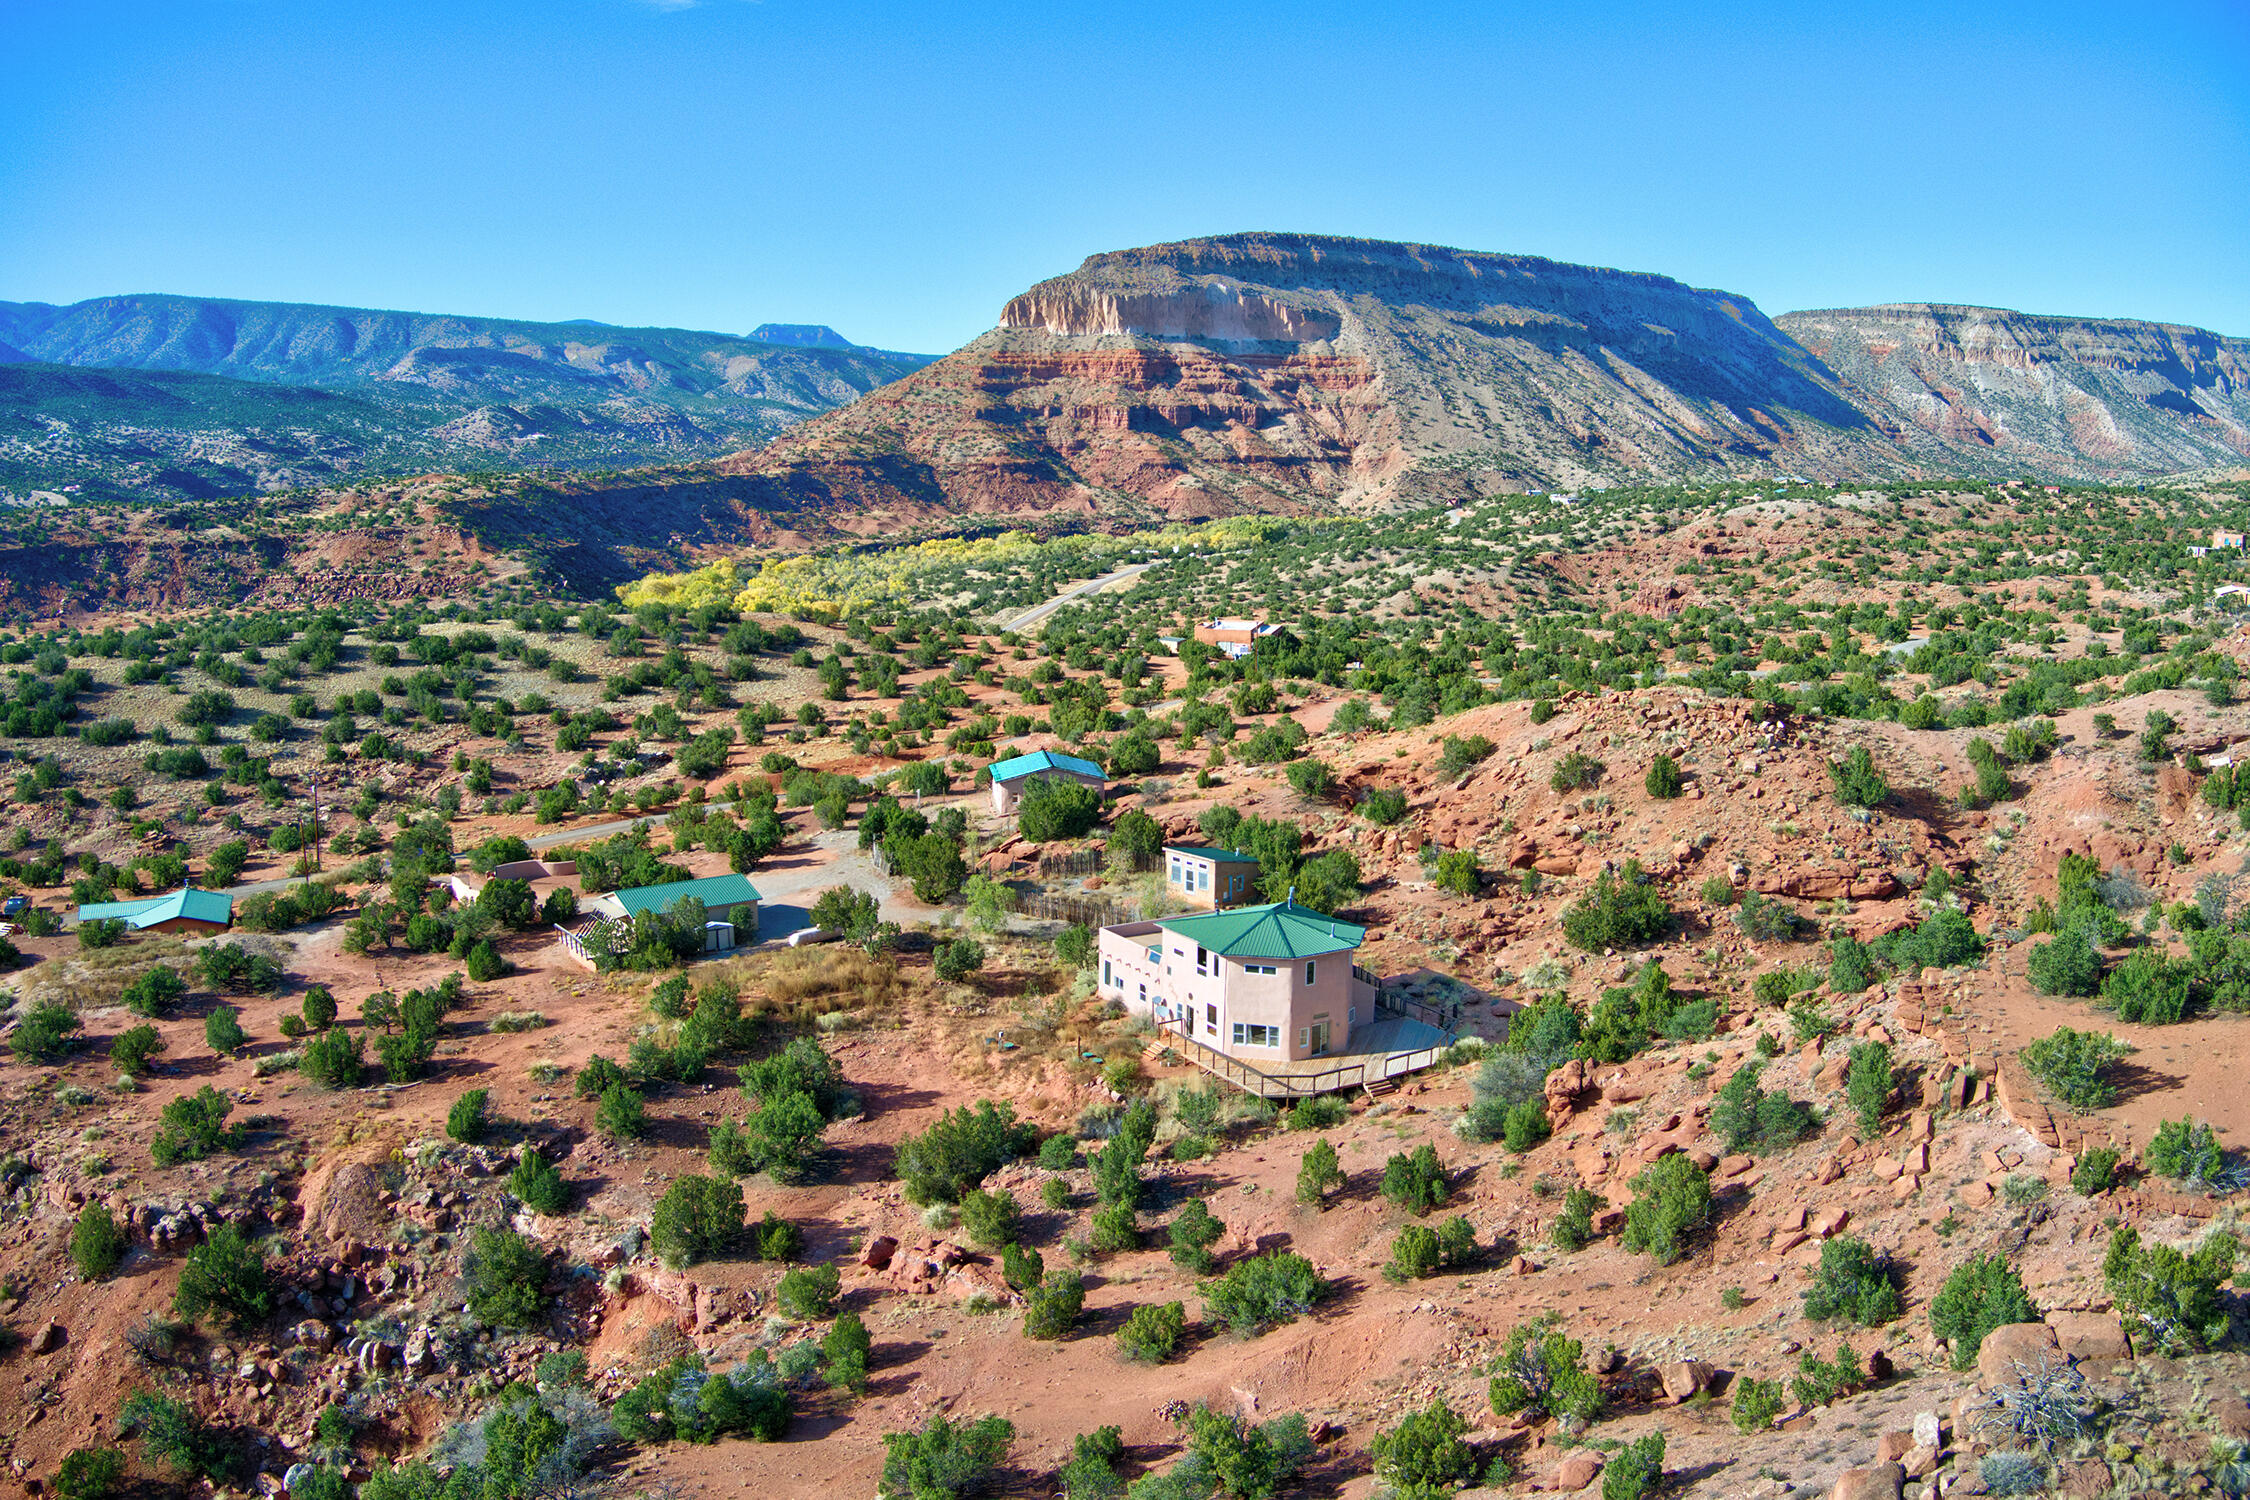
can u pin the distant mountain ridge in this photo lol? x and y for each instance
(445, 391)
(1304, 372)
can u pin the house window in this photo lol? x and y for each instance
(1202, 957)
(1256, 1036)
(1105, 974)
(1308, 971)
(1144, 994)
(1304, 1036)
(1257, 968)
(1211, 1019)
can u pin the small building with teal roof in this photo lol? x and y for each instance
(1010, 776)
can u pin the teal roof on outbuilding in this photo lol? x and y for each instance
(711, 890)
(196, 906)
(1016, 766)
(1222, 856)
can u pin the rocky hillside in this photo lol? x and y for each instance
(430, 391)
(2107, 398)
(1281, 372)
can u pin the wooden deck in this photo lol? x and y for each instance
(1380, 1051)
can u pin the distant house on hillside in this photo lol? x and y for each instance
(1010, 776)
(1209, 877)
(2227, 539)
(1234, 637)
(729, 902)
(184, 910)
(1265, 984)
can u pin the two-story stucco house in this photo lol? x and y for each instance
(1209, 877)
(1259, 983)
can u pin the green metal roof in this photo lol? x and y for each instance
(1285, 930)
(1223, 856)
(188, 902)
(711, 890)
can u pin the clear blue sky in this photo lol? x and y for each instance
(900, 170)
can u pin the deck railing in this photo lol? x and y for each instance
(1347, 1073)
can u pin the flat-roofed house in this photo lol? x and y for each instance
(1210, 877)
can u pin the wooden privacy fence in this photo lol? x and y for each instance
(1090, 911)
(1077, 864)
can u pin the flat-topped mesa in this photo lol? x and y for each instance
(1212, 310)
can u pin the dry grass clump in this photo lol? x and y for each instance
(93, 978)
(799, 985)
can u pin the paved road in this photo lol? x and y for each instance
(1038, 612)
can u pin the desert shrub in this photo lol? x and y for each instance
(1851, 965)
(697, 1219)
(1383, 805)
(1980, 1294)
(171, 1432)
(1756, 1403)
(43, 1035)
(2073, 1065)
(507, 1278)
(1856, 781)
(1415, 1181)
(1051, 1309)
(1543, 1372)
(844, 1352)
(101, 932)
(2012, 1471)
(466, 1120)
(1058, 1153)
(1671, 1199)
(1622, 910)
(152, 993)
(1152, 1332)
(222, 1030)
(1423, 1457)
(1322, 1112)
(2172, 1295)
(958, 959)
(809, 1292)
(1853, 1284)
(1320, 1174)
(1193, 1231)
(193, 1127)
(333, 1059)
(1263, 1291)
(1820, 1381)
(1022, 1267)
(1053, 809)
(1763, 919)
(992, 1219)
(1115, 1228)
(943, 1460)
(2069, 963)
(89, 1474)
(622, 1114)
(538, 1184)
(1414, 1254)
(131, 1049)
(2187, 1151)
(2150, 989)
(1575, 771)
(2095, 1171)
(97, 1243)
(1636, 1470)
(1867, 1085)
(484, 962)
(959, 1150)
(226, 1276)
(1746, 1115)
(1573, 1228)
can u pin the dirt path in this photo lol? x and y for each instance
(1039, 612)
